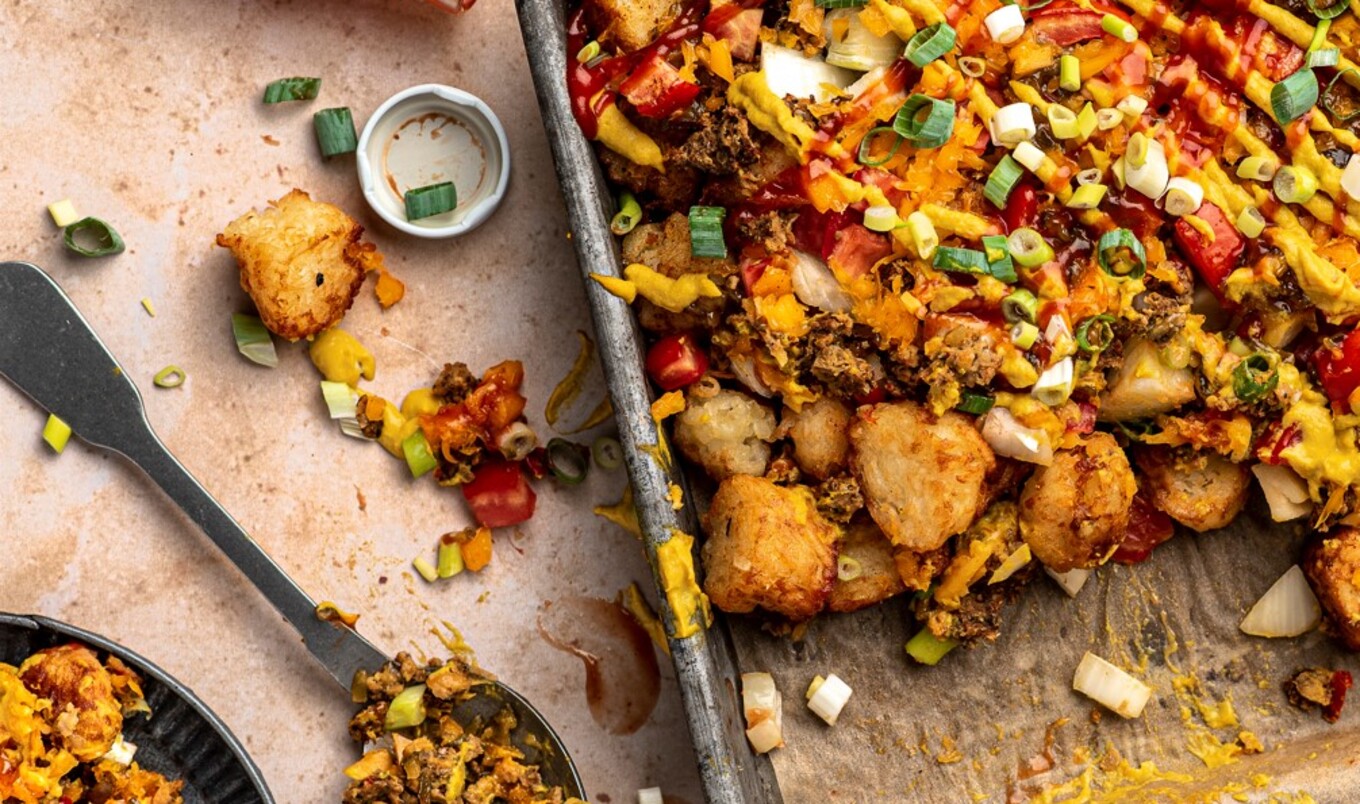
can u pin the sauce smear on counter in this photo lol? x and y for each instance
(622, 677)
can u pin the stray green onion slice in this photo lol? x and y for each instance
(1294, 185)
(1020, 305)
(169, 377)
(335, 131)
(253, 340)
(979, 404)
(568, 461)
(848, 568)
(432, 199)
(930, 43)
(607, 452)
(628, 216)
(450, 560)
(927, 122)
(91, 237)
(1330, 106)
(1328, 12)
(1095, 334)
(419, 459)
(1118, 28)
(1254, 378)
(1002, 181)
(1028, 247)
(999, 262)
(292, 89)
(1257, 168)
(927, 648)
(1024, 334)
(1293, 96)
(1069, 73)
(589, 51)
(427, 570)
(866, 146)
(1250, 221)
(148, 307)
(1121, 255)
(960, 260)
(56, 433)
(1323, 57)
(705, 232)
(408, 708)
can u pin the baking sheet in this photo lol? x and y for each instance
(148, 114)
(1000, 721)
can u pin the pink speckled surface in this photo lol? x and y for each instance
(148, 115)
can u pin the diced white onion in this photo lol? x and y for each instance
(1055, 384)
(1111, 687)
(1183, 196)
(1287, 609)
(121, 752)
(1132, 107)
(1151, 177)
(1014, 123)
(1350, 177)
(764, 710)
(865, 81)
(829, 699)
(650, 795)
(1027, 153)
(881, 218)
(744, 369)
(1071, 581)
(1286, 492)
(789, 72)
(1009, 438)
(858, 49)
(1006, 24)
(816, 286)
(767, 735)
(1090, 176)
(1017, 559)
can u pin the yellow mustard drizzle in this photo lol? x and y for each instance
(689, 605)
(619, 135)
(340, 357)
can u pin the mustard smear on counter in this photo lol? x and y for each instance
(340, 357)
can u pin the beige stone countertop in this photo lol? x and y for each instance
(148, 115)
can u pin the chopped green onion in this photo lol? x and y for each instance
(848, 568)
(1002, 181)
(607, 452)
(1087, 196)
(1117, 170)
(1324, 57)
(427, 570)
(1089, 176)
(1118, 28)
(169, 377)
(419, 459)
(1319, 35)
(705, 232)
(1132, 107)
(335, 131)
(1328, 105)
(56, 433)
(253, 340)
(407, 708)
(569, 462)
(1054, 385)
(1028, 247)
(63, 213)
(1095, 334)
(148, 307)
(1087, 121)
(881, 218)
(1293, 96)
(1029, 155)
(96, 238)
(450, 560)
(979, 404)
(589, 51)
(1136, 153)
(1329, 11)
(1069, 73)
(923, 236)
(927, 648)
(1020, 305)
(1250, 222)
(972, 66)
(1295, 185)
(999, 262)
(430, 200)
(628, 216)
(1121, 255)
(1024, 334)
(1257, 168)
(1254, 378)
(1063, 121)
(840, 3)
(960, 260)
(292, 89)
(927, 122)
(930, 43)
(1107, 119)
(342, 401)
(866, 146)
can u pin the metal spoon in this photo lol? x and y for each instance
(50, 352)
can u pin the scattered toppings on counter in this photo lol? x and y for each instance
(826, 697)
(253, 340)
(56, 433)
(62, 714)
(430, 200)
(92, 237)
(292, 89)
(1287, 609)
(170, 377)
(650, 795)
(763, 707)
(1317, 686)
(63, 213)
(1110, 686)
(335, 131)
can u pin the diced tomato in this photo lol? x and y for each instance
(676, 361)
(1275, 440)
(876, 394)
(751, 271)
(656, 89)
(856, 250)
(815, 232)
(740, 27)
(1064, 24)
(1341, 682)
(499, 494)
(1085, 420)
(1022, 208)
(1213, 260)
(1338, 369)
(1148, 527)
